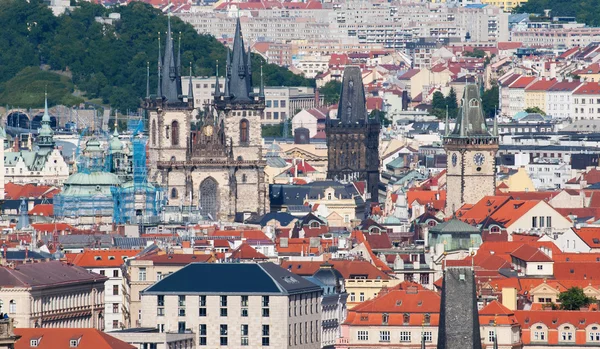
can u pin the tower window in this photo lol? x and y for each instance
(173, 193)
(244, 131)
(244, 178)
(175, 133)
(153, 132)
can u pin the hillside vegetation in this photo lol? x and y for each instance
(585, 11)
(105, 61)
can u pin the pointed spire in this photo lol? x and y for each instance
(147, 79)
(116, 130)
(262, 84)
(447, 125)
(249, 60)
(159, 88)
(227, 73)
(190, 94)
(171, 79)
(179, 56)
(239, 79)
(46, 117)
(217, 88)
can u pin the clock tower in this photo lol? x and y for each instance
(471, 149)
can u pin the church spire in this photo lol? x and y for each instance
(46, 117)
(171, 82)
(239, 77)
(227, 73)
(190, 94)
(179, 56)
(469, 119)
(495, 123)
(262, 84)
(159, 87)
(46, 135)
(352, 105)
(217, 88)
(147, 79)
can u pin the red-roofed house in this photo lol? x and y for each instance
(536, 93)
(312, 119)
(54, 338)
(530, 261)
(559, 98)
(516, 95)
(553, 328)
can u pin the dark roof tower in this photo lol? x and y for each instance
(352, 106)
(459, 316)
(470, 121)
(171, 78)
(238, 81)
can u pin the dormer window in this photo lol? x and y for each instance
(314, 224)
(495, 229)
(73, 343)
(98, 258)
(34, 342)
(384, 318)
(406, 318)
(111, 258)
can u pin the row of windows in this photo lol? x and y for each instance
(172, 132)
(404, 336)
(302, 303)
(538, 222)
(223, 335)
(590, 101)
(276, 103)
(160, 301)
(115, 273)
(310, 334)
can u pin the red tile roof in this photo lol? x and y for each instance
(593, 68)
(17, 191)
(103, 258)
(246, 251)
(409, 74)
(529, 253)
(588, 88)
(46, 210)
(177, 258)
(350, 269)
(498, 313)
(576, 271)
(378, 241)
(589, 235)
(512, 211)
(565, 85)
(541, 85)
(510, 45)
(554, 319)
(374, 103)
(238, 234)
(424, 196)
(523, 82)
(48, 228)
(53, 338)
(512, 78)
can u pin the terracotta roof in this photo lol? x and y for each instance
(350, 269)
(529, 253)
(593, 68)
(522, 82)
(46, 210)
(177, 258)
(512, 78)
(246, 251)
(530, 195)
(482, 209)
(589, 235)
(510, 45)
(565, 85)
(512, 211)
(103, 258)
(588, 88)
(378, 241)
(53, 338)
(424, 196)
(498, 313)
(52, 227)
(541, 85)
(577, 257)
(360, 186)
(17, 191)
(238, 234)
(576, 270)
(554, 319)
(504, 249)
(374, 103)
(46, 274)
(409, 74)
(569, 52)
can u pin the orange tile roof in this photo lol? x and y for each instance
(52, 227)
(577, 271)
(17, 191)
(102, 258)
(529, 253)
(541, 85)
(556, 318)
(53, 338)
(577, 257)
(350, 269)
(177, 258)
(589, 235)
(498, 313)
(238, 234)
(424, 196)
(46, 210)
(588, 88)
(522, 82)
(512, 211)
(246, 251)
(478, 212)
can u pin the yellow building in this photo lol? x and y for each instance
(590, 73)
(505, 5)
(535, 94)
(519, 181)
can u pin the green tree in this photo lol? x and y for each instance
(331, 92)
(477, 53)
(381, 115)
(574, 298)
(438, 102)
(452, 103)
(490, 101)
(536, 109)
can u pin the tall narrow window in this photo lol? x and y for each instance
(153, 132)
(175, 133)
(244, 131)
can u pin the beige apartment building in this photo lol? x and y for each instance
(237, 305)
(52, 294)
(141, 272)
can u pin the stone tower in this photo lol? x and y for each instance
(353, 138)
(459, 316)
(471, 149)
(169, 116)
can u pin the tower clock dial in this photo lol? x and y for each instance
(479, 158)
(454, 159)
(208, 130)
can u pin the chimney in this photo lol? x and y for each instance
(509, 298)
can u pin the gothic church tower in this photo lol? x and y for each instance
(471, 149)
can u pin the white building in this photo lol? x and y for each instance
(109, 263)
(236, 306)
(548, 175)
(559, 98)
(586, 102)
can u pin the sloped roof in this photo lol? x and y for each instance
(588, 88)
(522, 82)
(246, 251)
(112, 258)
(589, 235)
(176, 258)
(529, 253)
(46, 274)
(541, 85)
(350, 269)
(52, 338)
(454, 226)
(46, 210)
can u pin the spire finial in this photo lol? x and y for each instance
(262, 83)
(447, 126)
(159, 88)
(179, 56)
(147, 79)
(46, 116)
(495, 122)
(190, 89)
(217, 87)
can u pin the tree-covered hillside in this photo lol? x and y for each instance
(585, 11)
(107, 61)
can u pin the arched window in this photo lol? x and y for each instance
(495, 229)
(431, 223)
(244, 131)
(208, 197)
(473, 103)
(153, 132)
(175, 133)
(12, 306)
(173, 193)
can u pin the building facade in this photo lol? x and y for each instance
(219, 167)
(237, 305)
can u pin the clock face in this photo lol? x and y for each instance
(479, 158)
(454, 159)
(208, 130)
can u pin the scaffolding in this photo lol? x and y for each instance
(137, 201)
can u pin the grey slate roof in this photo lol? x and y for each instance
(80, 241)
(232, 278)
(454, 226)
(283, 218)
(141, 242)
